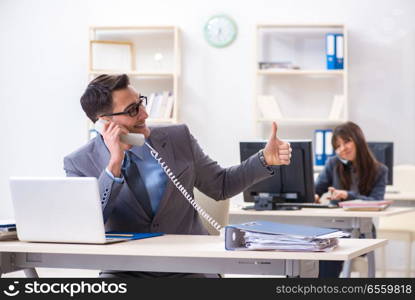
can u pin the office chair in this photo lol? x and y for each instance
(218, 210)
(401, 227)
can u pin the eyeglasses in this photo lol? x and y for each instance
(133, 110)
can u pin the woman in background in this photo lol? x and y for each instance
(354, 173)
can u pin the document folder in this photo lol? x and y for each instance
(263, 235)
(328, 148)
(339, 51)
(319, 157)
(131, 235)
(331, 51)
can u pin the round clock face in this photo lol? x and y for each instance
(220, 31)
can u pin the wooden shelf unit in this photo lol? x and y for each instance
(153, 65)
(301, 46)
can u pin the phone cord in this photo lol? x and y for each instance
(181, 188)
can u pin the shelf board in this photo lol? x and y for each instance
(133, 28)
(135, 73)
(299, 72)
(318, 169)
(299, 121)
(299, 25)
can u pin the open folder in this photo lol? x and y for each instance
(131, 235)
(262, 235)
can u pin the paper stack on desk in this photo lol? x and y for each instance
(262, 235)
(7, 230)
(365, 205)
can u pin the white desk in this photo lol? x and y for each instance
(360, 222)
(401, 199)
(171, 253)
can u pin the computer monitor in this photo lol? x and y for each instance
(383, 151)
(293, 183)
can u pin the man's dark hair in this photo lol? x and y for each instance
(97, 98)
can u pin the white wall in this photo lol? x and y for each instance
(43, 65)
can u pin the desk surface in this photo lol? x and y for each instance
(191, 246)
(400, 196)
(320, 212)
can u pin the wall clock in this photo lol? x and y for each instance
(220, 31)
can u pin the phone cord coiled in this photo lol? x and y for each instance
(182, 190)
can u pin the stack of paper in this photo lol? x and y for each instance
(262, 235)
(365, 205)
(259, 241)
(7, 230)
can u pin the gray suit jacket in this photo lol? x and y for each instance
(182, 153)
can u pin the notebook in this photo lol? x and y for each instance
(365, 205)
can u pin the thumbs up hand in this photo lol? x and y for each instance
(276, 151)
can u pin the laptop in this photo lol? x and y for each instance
(64, 210)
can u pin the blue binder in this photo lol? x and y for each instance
(319, 153)
(234, 233)
(7, 225)
(331, 51)
(132, 235)
(328, 148)
(339, 45)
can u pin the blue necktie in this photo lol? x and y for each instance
(136, 183)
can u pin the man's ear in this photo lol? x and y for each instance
(106, 118)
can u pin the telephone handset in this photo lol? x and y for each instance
(138, 140)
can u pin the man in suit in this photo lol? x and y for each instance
(147, 201)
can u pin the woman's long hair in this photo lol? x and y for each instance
(365, 164)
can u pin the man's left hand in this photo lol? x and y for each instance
(276, 151)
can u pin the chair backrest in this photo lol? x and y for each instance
(404, 178)
(403, 182)
(218, 210)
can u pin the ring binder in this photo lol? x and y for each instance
(263, 235)
(339, 51)
(331, 51)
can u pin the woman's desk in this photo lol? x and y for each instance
(171, 253)
(359, 222)
(400, 198)
(237, 211)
